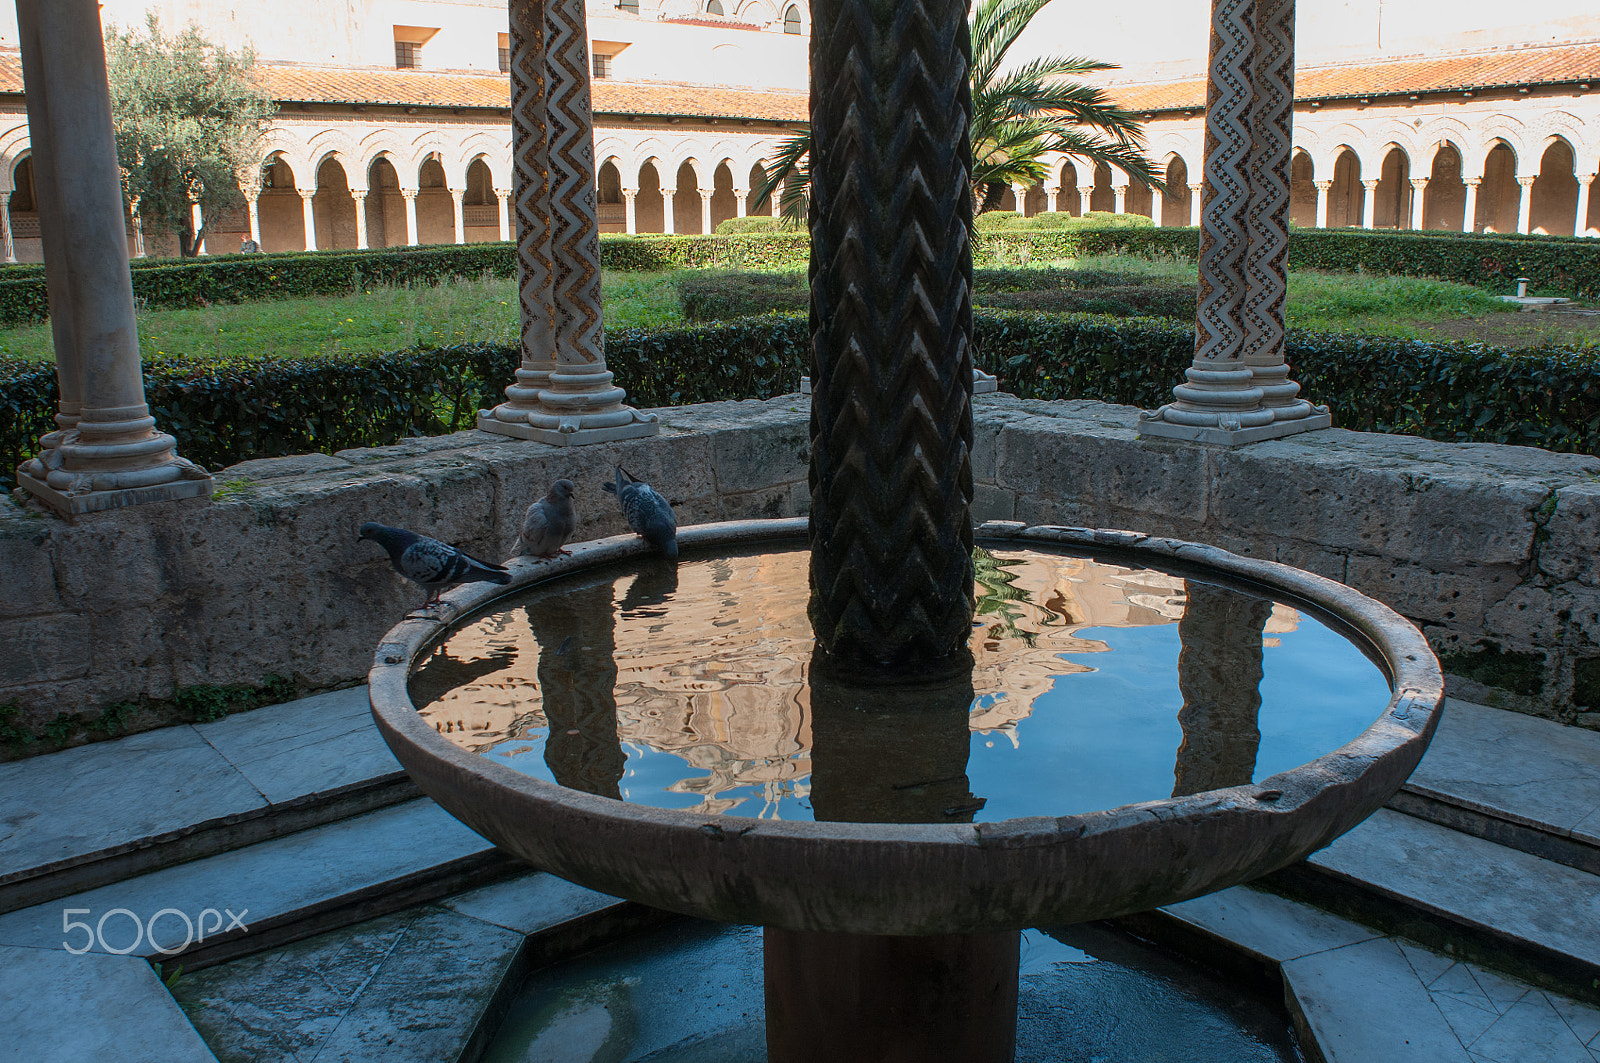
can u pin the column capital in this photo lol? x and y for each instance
(1086, 190)
(1197, 188)
(1054, 190)
(1419, 183)
(502, 193)
(706, 193)
(1526, 182)
(1323, 186)
(1472, 182)
(1123, 188)
(409, 193)
(1586, 178)
(359, 193)
(306, 193)
(458, 194)
(1371, 184)
(629, 193)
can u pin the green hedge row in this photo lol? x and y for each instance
(1565, 265)
(1546, 397)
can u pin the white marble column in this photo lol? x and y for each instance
(410, 196)
(360, 196)
(669, 210)
(1155, 204)
(504, 198)
(310, 218)
(197, 222)
(705, 210)
(458, 198)
(777, 202)
(1052, 196)
(138, 237)
(1194, 205)
(253, 202)
(1469, 216)
(630, 209)
(1580, 225)
(1322, 202)
(1419, 187)
(741, 202)
(1524, 203)
(105, 451)
(5, 226)
(1122, 198)
(1369, 204)
(1019, 193)
(1084, 192)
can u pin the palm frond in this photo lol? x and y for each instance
(791, 172)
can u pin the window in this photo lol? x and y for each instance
(714, 7)
(601, 64)
(791, 20)
(630, 6)
(505, 53)
(407, 55)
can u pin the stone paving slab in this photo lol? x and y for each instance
(312, 746)
(1266, 926)
(1515, 767)
(1472, 882)
(530, 903)
(269, 886)
(62, 1008)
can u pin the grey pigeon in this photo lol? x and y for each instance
(429, 563)
(646, 512)
(550, 523)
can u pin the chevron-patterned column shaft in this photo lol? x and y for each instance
(891, 324)
(1219, 389)
(531, 205)
(1267, 261)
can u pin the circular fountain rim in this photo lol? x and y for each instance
(924, 878)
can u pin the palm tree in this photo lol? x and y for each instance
(1017, 117)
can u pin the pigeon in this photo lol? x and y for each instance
(550, 523)
(429, 563)
(646, 512)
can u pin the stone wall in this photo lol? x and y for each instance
(1490, 548)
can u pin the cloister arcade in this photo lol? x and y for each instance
(349, 186)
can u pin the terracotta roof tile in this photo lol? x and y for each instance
(1449, 73)
(423, 88)
(10, 72)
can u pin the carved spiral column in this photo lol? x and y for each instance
(891, 328)
(1219, 674)
(563, 393)
(1238, 386)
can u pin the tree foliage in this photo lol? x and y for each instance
(1018, 116)
(188, 118)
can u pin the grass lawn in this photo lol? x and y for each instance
(485, 311)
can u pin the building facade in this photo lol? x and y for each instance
(394, 121)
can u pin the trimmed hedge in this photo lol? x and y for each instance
(1568, 265)
(221, 414)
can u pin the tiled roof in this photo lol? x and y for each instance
(10, 72)
(1541, 65)
(423, 88)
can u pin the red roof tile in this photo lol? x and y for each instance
(1542, 65)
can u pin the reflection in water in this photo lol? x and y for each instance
(689, 687)
(890, 754)
(1219, 673)
(578, 676)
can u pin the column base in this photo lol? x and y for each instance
(982, 383)
(1152, 425)
(570, 434)
(73, 505)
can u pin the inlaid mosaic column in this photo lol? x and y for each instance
(563, 394)
(106, 451)
(1237, 389)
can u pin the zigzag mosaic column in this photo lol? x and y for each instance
(563, 394)
(891, 330)
(1237, 389)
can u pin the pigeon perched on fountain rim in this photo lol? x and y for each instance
(646, 512)
(429, 563)
(549, 523)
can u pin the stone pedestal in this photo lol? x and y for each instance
(105, 451)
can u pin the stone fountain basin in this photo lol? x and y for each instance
(928, 878)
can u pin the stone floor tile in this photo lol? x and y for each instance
(62, 1008)
(1458, 984)
(1582, 1019)
(1364, 1004)
(529, 903)
(1468, 1021)
(1267, 925)
(110, 796)
(1472, 881)
(270, 881)
(1499, 761)
(1501, 991)
(1428, 964)
(1530, 1032)
(310, 746)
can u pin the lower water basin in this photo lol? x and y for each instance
(1093, 685)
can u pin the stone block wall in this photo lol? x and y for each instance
(1489, 548)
